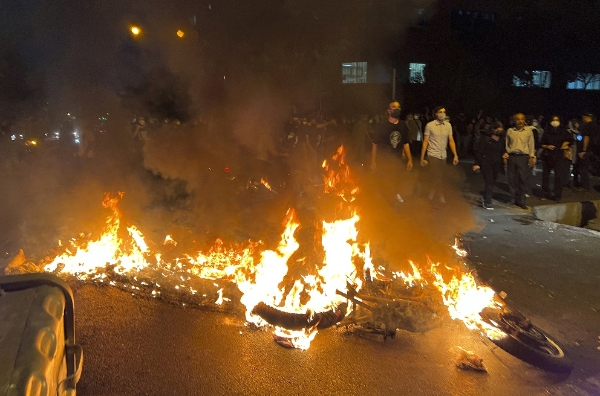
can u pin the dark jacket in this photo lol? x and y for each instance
(489, 151)
(555, 137)
(592, 129)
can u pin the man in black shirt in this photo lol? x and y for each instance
(390, 140)
(554, 144)
(391, 137)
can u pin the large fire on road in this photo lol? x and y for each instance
(262, 275)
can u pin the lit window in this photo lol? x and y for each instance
(354, 72)
(588, 81)
(416, 73)
(533, 78)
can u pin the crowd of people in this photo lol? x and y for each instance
(562, 148)
(391, 143)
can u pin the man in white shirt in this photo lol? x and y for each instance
(437, 138)
(520, 156)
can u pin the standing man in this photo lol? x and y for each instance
(488, 157)
(520, 156)
(591, 134)
(437, 138)
(555, 145)
(390, 140)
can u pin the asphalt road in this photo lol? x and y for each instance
(141, 346)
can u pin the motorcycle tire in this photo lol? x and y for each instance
(300, 321)
(532, 345)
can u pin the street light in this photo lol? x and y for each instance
(180, 33)
(135, 30)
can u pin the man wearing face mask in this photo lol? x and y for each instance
(437, 138)
(555, 144)
(390, 140)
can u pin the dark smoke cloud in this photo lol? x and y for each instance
(89, 59)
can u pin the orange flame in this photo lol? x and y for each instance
(337, 177)
(465, 300)
(261, 275)
(82, 258)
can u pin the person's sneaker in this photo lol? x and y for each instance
(487, 206)
(523, 206)
(399, 198)
(527, 195)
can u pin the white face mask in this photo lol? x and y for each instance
(441, 116)
(534, 123)
(555, 124)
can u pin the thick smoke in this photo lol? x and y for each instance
(231, 82)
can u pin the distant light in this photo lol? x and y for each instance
(13, 137)
(180, 33)
(223, 77)
(135, 30)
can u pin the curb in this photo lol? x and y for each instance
(578, 214)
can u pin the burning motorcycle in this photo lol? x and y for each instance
(385, 304)
(343, 287)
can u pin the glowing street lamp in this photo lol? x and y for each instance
(180, 33)
(135, 30)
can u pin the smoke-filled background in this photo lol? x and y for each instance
(219, 98)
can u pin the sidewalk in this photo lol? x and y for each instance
(474, 184)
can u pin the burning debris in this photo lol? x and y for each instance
(21, 265)
(293, 294)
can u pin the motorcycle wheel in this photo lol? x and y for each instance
(300, 321)
(529, 343)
